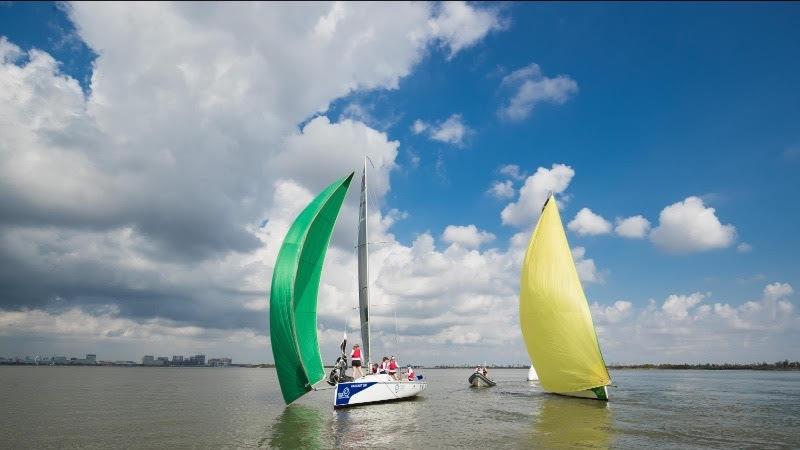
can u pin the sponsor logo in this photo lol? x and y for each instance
(344, 394)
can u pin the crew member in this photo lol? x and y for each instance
(384, 365)
(355, 357)
(393, 368)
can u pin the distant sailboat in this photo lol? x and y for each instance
(293, 308)
(554, 315)
(532, 375)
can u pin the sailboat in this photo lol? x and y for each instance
(554, 315)
(293, 306)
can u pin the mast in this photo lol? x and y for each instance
(363, 267)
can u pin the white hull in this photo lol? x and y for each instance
(598, 393)
(532, 375)
(374, 389)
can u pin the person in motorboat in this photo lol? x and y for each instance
(393, 368)
(485, 372)
(355, 357)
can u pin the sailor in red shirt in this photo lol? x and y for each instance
(411, 376)
(355, 357)
(393, 368)
(384, 365)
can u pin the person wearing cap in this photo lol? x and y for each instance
(393, 368)
(411, 374)
(355, 357)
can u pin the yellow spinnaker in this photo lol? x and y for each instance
(553, 312)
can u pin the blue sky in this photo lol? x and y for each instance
(670, 101)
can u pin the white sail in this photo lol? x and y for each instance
(532, 375)
(363, 269)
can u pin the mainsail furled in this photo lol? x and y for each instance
(554, 315)
(363, 269)
(293, 296)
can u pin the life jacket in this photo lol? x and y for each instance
(411, 375)
(392, 366)
(356, 355)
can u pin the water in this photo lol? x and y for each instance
(106, 407)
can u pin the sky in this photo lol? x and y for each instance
(153, 156)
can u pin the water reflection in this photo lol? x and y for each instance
(379, 425)
(298, 427)
(564, 422)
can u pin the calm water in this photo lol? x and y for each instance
(86, 407)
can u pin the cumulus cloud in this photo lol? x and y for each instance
(692, 328)
(165, 188)
(587, 270)
(502, 189)
(459, 25)
(587, 223)
(690, 226)
(419, 126)
(451, 131)
(513, 171)
(534, 192)
(531, 87)
(635, 227)
(466, 236)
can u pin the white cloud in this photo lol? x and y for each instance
(466, 236)
(131, 339)
(459, 25)
(689, 328)
(689, 226)
(677, 306)
(513, 171)
(635, 227)
(744, 247)
(587, 270)
(611, 314)
(451, 131)
(107, 200)
(502, 189)
(531, 87)
(419, 126)
(533, 193)
(587, 223)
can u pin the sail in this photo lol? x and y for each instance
(363, 268)
(293, 296)
(554, 315)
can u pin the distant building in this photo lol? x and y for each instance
(91, 359)
(59, 359)
(162, 361)
(177, 360)
(148, 360)
(197, 360)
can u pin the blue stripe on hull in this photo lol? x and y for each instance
(346, 390)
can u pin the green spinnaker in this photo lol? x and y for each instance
(293, 296)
